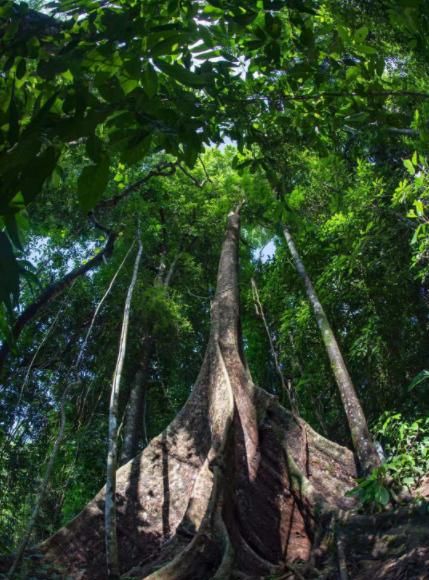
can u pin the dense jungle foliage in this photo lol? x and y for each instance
(154, 119)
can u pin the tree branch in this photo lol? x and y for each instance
(51, 292)
(192, 178)
(163, 169)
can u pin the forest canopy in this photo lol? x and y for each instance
(133, 135)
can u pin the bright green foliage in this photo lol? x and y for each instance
(406, 444)
(357, 251)
(127, 80)
(373, 491)
(412, 197)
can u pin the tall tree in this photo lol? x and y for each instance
(229, 442)
(364, 447)
(109, 108)
(112, 461)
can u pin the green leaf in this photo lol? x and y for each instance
(418, 204)
(12, 230)
(382, 495)
(94, 148)
(41, 168)
(409, 166)
(273, 25)
(361, 34)
(136, 150)
(92, 183)
(128, 85)
(352, 72)
(150, 81)
(13, 132)
(21, 68)
(421, 377)
(182, 75)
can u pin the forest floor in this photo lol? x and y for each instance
(388, 545)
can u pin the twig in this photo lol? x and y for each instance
(208, 178)
(192, 178)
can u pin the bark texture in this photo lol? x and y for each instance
(363, 445)
(232, 486)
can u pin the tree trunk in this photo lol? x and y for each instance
(135, 417)
(234, 487)
(363, 445)
(73, 375)
(111, 539)
(135, 424)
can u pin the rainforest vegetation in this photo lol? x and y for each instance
(214, 289)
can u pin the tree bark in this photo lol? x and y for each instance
(51, 292)
(362, 442)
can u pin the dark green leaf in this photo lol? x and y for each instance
(421, 377)
(92, 183)
(150, 81)
(12, 230)
(182, 75)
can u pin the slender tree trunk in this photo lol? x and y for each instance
(135, 418)
(294, 354)
(51, 292)
(286, 385)
(363, 445)
(134, 426)
(110, 500)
